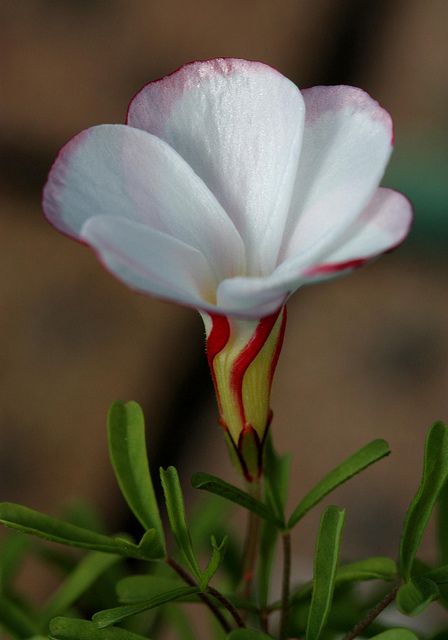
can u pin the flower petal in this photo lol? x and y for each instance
(150, 261)
(239, 124)
(116, 170)
(382, 226)
(346, 146)
(251, 297)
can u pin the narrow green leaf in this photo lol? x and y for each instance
(376, 568)
(180, 622)
(415, 596)
(128, 454)
(150, 546)
(434, 476)
(72, 629)
(325, 565)
(38, 524)
(396, 634)
(215, 561)
(82, 577)
(276, 470)
(221, 488)
(137, 588)
(248, 634)
(442, 524)
(15, 620)
(356, 463)
(83, 515)
(176, 514)
(442, 539)
(108, 617)
(11, 557)
(439, 575)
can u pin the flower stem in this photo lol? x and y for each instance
(286, 539)
(251, 543)
(372, 614)
(205, 599)
(228, 605)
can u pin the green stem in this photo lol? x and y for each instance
(205, 599)
(372, 615)
(286, 539)
(251, 543)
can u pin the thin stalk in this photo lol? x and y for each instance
(205, 599)
(228, 605)
(251, 543)
(286, 540)
(372, 615)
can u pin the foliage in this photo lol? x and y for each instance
(102, 598)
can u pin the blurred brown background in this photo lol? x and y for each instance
(364, 357)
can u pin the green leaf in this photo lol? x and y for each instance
(325, 566)
(442, 538)
(277, 470)
(150, 547)
(414, 596)
(221, 488)
(439, 575)
(442, 524)
(39, 524)
(356, 463)
(16, 620)
(11, 557)
(180, 622)
(72, 629)
(128, 454)
(396, 634)
(434, 476)
(215, 561)
(82, 577)
(247, 634)
(108, 617)
(137, 588)
(376, 568)
(176, 514)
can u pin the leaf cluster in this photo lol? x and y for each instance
(323, 608)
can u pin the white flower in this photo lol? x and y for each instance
(227, 189)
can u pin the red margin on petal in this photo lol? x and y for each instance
(192, 63)
(337, 266)
(247, 356)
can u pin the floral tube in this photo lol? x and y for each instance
(242, 356)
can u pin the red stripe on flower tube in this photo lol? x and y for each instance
(278, 347)
(247, 356)
(217, 339)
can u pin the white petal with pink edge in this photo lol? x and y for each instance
(239, 124)
(381, 227)
(346, 146)
(151, 261)
(116, 170)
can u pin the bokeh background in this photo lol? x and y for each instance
(364, 357)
